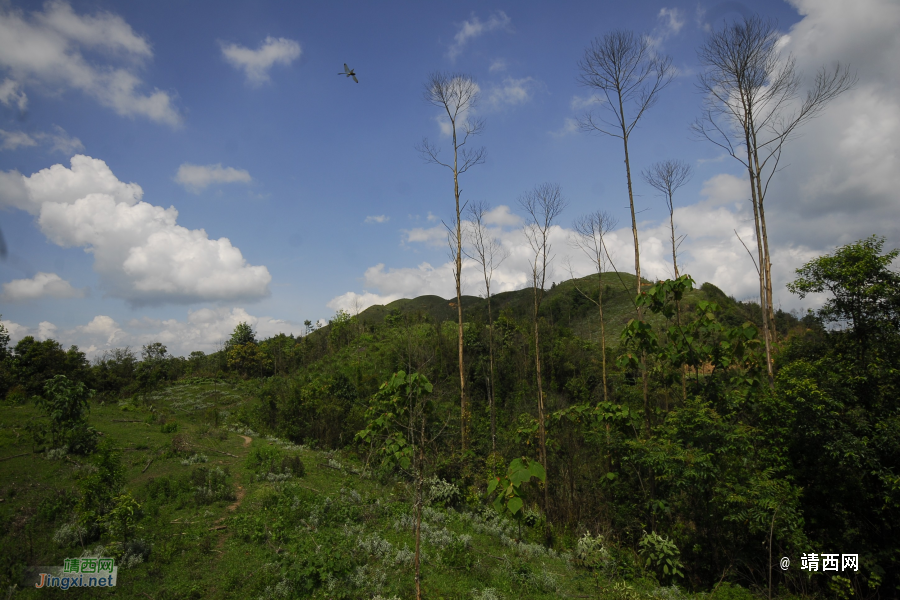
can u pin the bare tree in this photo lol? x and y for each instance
(588, 237)
(456, 94)
(750, 111)
(543, 205)
(490, 254)
(667, 176)
(623, 67)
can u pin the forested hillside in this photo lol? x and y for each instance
(697, 474)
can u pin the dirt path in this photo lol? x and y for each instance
(239, 493)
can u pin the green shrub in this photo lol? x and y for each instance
(211, 485)
(268, 462)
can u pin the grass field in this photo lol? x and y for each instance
(227, 513)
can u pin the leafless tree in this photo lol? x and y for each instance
(750, 111)
(667, 176)
(588, 237)
(457, 95)
(490, 254)
(543, 205)
(630, 75)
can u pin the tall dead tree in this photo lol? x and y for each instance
(456, 95)
(667, 176)
(630, 76)
(543, 205)
(489, 253)
(588, 237)
(751, 110)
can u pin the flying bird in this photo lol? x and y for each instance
(349, 73)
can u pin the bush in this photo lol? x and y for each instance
(661, 554)
(211, 485)
(267, 460)
(441, 492)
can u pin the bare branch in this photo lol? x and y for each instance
(623, 66)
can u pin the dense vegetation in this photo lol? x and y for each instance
(707, 475)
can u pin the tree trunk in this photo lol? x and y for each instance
(491, 354)
(637, 272)
(463, 407)
(602, 332)
(542, 434)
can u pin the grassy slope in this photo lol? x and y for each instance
(275, 527)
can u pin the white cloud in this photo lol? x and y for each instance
(16, 331)
(569, 127)
(16, 139)
(498, 64)
(502, 216)
(511, 92)
(352, 302)
(256, 63)
(60, 141)
(58, 184)
(141, 254)
(673, 19)
(377, 219)
(474, 28)
(45, 49)
(197, 177)
(46, 330)
(433, 236)
(42, 284)
(580, 103)
(11, 94)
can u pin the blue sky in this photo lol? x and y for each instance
(170, 169)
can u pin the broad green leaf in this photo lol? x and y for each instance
(514, 505)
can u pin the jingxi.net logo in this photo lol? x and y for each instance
(78, 572)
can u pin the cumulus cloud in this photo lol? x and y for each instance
(59, 141)
(256, 63)
(502, 216)
(377, 219)
(41, 285)
(511, 92)
(46, 330)
(433, 236)
(11, 94)
(475, 27)
(140, 252)
(45, 48)
(196, 178)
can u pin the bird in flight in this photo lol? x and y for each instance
(349, 73)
